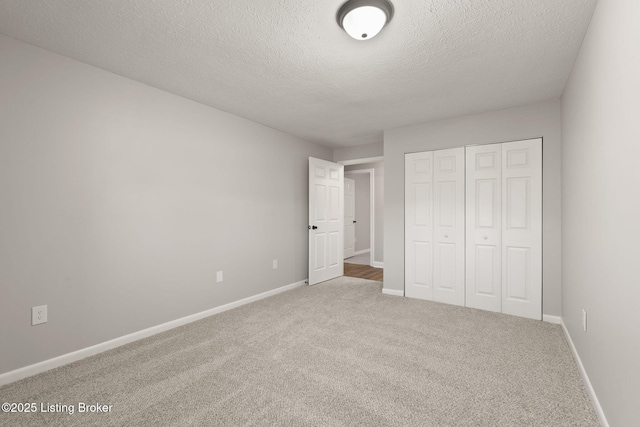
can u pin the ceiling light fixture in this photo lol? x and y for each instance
(363, 19)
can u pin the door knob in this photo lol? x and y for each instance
(313, 227)
(354, 221)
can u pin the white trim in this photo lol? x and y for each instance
(361, 161)
(361, 252)
(585, 378)
(46, 365)
(377, 264)
(394, 292)
(556, 320)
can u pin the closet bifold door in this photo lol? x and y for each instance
(448, 226)
(484, 228)
(522, 228)
(418, 225)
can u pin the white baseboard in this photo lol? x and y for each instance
(585, 378)
(556, 320)
(394, 292)
(74, 356)
(377, 264)
(364, 251)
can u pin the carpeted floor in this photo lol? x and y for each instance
(336, 354)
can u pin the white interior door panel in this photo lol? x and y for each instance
(326, 220)
(522, 228)
(449, 226)
(419, 225)
(484, 230)
(349, 217)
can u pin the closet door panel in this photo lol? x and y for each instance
(522, 228)
(486, 273)
(448, 229)
(483, 227)
(419, 225)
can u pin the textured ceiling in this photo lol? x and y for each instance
(287, 64)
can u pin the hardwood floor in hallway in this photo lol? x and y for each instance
(363, 271)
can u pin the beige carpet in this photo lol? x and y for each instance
(335, 354)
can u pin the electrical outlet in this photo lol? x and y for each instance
(38, 315)
(219, 276)
(584, 320)
(275, 264)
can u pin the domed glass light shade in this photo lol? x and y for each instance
(363, 19)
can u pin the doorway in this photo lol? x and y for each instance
(366, 260)
(326, 219)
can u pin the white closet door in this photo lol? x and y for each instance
(418, 281)
(449, 224)
(483, 219)
(522, 228)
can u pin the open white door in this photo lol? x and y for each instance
(349, 217)
(326, 220)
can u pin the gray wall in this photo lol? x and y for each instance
(363, 210)
(119, 202)
(379, 200)
(601, 207)
(539, 120)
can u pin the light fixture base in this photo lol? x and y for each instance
(384, 5)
